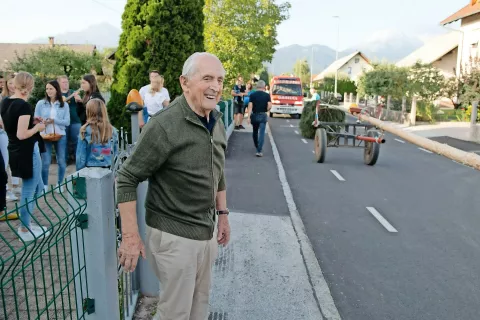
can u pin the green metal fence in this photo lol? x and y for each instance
(46, 278)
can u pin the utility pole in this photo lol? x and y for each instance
(336, 53)
(311, 71)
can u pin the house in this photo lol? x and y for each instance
(468, 32)
(9, 51)
(352, 65)
(441, 52)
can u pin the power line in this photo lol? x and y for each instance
(108, 7)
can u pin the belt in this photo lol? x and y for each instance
(259, 112)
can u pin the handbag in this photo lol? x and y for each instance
(52, 137)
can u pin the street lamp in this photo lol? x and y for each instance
(336, 53)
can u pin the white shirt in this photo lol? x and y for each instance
(154, 102)
(49, 127)
(143, 91)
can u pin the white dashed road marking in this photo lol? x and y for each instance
(296, 132)
(304, 141)
(381, 219)
(425, 150)
(336, 174)
(401, 141)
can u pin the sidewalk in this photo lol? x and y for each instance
(261, 274)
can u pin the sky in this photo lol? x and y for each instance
(310, 21)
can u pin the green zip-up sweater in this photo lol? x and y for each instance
(184, 165)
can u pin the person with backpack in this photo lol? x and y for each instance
(98, 139)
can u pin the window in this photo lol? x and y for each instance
(357, 60)
(473, 49)
(349, 71)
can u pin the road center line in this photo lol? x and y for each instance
(401, 141)
(288, 120)
(425, 150)
(304, 141)
(296, 132)
(291, 125)
(381, 219)
(313, 151)
(321, 290)
(336, 174)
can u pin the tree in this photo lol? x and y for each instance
(384, 80)
(469, 82)
(301, 69)
(264, 75)
(48, 63)
(344, 84)
(158, 35)
(425, 81)
(242, 34)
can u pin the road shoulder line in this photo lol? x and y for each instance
(321, 290)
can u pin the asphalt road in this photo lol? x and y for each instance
(428, 268)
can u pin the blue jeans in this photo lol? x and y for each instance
(60, 150)
(259, 124)
(72, 139)
(145, 115)
(31, 187)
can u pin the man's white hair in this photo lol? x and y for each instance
(190, 66)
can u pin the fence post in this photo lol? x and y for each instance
(351, 97)
(135, 126)
(404, 108)
(99, 245)
(226, 114)
(413, 112)
(357, 99)
(474, 129)
(389, 105)
(345, 97)
(149, 283)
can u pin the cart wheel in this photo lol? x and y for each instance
(372, 149)
(320, 145)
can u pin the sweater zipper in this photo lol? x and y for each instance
(211, 154)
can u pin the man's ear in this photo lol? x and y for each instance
(183, 82)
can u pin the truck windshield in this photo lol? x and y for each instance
(287, 89)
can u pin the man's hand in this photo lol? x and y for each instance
(223, 236)
(131, 248)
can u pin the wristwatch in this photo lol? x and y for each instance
(223, 212)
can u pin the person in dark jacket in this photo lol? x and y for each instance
(90, 88)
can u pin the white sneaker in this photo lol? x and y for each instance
(38, 232)
(45, 188)
(58, 190)
(11, 196)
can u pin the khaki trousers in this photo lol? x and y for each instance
(184, 268)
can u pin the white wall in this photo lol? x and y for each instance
(471, 36)
(357, 68)
(447, 64)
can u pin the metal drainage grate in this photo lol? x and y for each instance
(225, 259)
(218, 316)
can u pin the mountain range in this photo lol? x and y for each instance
(386, 45)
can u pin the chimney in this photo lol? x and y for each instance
(51, 41)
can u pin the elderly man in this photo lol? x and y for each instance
(181, 152)
(258, 106)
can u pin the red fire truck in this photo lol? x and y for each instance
(287, 96)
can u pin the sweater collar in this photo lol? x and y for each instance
(191, 115)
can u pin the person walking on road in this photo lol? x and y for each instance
(238, 93)
(182, 154)
(260, 103)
